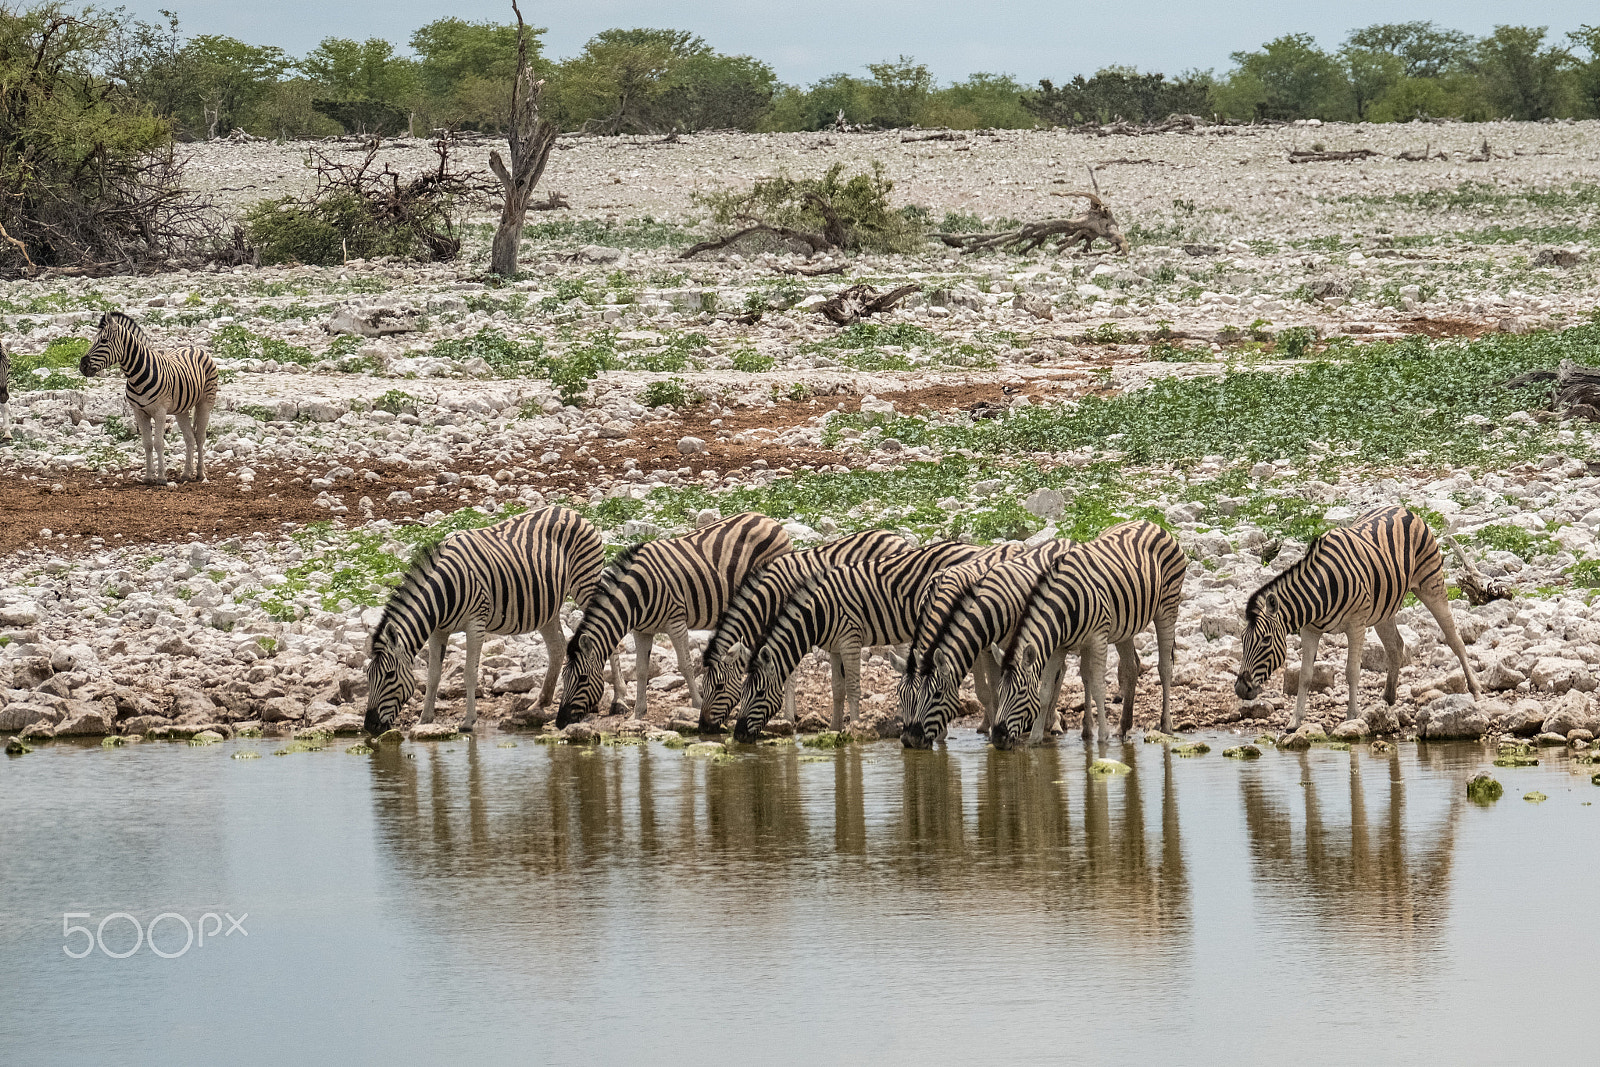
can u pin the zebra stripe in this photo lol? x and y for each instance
(755, 608)
(5, 393)
(509, 578)
(844, 610)
(181, 382)
(1348, 579)
(674, 585)
(1102, 592)
(967, 610)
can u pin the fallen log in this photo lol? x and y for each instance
(858, 301)
(1475, 586)
(1097, 224)
(554, 202)
(942, 135)
(1332, 157)
(1577, 388)
(816, 242)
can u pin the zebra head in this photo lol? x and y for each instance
(935, 703)
(1016, 701)
(582, 678)
(763, 692)
(390, 684)
(724, 675)
(111, 342)
(1266, 643)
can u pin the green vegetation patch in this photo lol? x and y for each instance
(54, 368)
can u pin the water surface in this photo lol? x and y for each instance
(538, 904)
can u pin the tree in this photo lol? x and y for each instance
(1118, 93)
(899, 91)
(614, 85)
(465, 70)
(1291, 78)
(1523, 79)
(1425, 50)
(224, 77)
(983, 101)
(710, 91)
(363, 85)
(1587, 74)
(1371, 74)
(531, 138)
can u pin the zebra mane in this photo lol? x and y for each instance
(1031, 607)
(795, 608)
(605, 590)
(959, 606)
(748, 590)
(405, 594)
(1252, 607)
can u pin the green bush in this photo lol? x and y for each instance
(506, 357)
(667, 393)
(860, 203)
(748, 359)
(327, 231)
(54, 368)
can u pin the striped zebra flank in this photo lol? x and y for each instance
(755, 608)
(5, 393)
(509, 578)
(1350, 578)
(967, 612)
(181, 382)
(844, 610)
(1100, 593)
(673, 585)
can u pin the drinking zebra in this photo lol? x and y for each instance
(181, 382)
(844, 610)
(1348, 579)
(674, 585)
(1101, 592)
(969, 610)
(509, 578)
(755, 607)
(5, 393)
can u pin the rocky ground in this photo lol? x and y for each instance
(1284, 346)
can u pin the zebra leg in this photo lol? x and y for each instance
(555, 647)
(1092, 667)
(789, 701)
(836, 676)
(5, 421)
(1394, 651)
(616, 677)
(1164, 641)
(469, 673)
(984, 675)
(186, 429)
(1050, 689)
(202, 419)
(1356, 635)
(680, 644)
(145, 423)
(850, 656)
(1439, 608)
(436, 645)
(642, 643)
(1127, 682)
(1309, 639)
(158, 422)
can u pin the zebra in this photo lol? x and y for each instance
(1098, 593)
(968, 610)
(509, 578)
(674, 585)
(1349, 578)
(844, 610)
(754, 608)
(181, 382)
(5, 393)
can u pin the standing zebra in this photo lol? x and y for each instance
(673, 585)
(844, 610)
(1349, 579)
(755, 607)
(509, 578)
(181, 382)
(1101, 592)
(5, 394)
(968, 610)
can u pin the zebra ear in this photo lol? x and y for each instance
(738, 651)
(1270, 604)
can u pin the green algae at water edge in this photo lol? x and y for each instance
(1198, 748)
(1242, 752)
(1106, 768)
(1535, 796)
(1483, 789)
(826, 739)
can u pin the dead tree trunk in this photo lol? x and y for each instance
(531, 139)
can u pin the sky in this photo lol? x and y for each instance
(804, 41)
